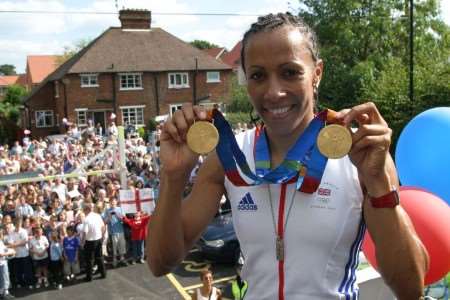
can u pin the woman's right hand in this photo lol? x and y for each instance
(176, 158)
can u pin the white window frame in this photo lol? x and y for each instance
(129, 109)
(81, 111)
(92, 80)
(184, 80)
(47, 113)
(214, 79)
(3, 90)
(137, 84)
(174, 107)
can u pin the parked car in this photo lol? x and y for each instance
(219, 243)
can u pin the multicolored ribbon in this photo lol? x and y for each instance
(303, 162)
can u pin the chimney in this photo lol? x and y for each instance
(135, 18)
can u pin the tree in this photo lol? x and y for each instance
(70, 51)
(364, 45)
(12, 103)
(240, 102)
(7, 69)
(202, 44)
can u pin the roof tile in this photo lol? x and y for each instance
(215, 52)
(40, 66)
(137, 51)
(233, 57)
(8, 80)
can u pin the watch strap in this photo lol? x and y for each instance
(389, 200)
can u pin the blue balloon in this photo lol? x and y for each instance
(423, 152)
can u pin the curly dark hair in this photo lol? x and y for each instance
(270, 22)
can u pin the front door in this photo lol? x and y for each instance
(99, 118)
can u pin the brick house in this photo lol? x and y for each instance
(233, 57)
(134, 71)
(38, 68)
(8, 80)
(216, 52)
(5, 82)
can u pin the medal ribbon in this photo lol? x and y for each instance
(303, 162)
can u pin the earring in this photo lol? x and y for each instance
(316, 96)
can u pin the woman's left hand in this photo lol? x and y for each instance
(371, 141)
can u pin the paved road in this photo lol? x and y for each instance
(135, 282)
(131, 283)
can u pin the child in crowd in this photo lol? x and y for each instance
(38, 249)
(4, 272)
(27, 226)
(138, 227)
(51, 226)
(56, 264)
(7, 220)
(113, 218)
(71, 244)
(39, 212)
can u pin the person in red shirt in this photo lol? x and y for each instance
(138, 227)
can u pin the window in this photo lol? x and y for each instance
(131, 81)
(89, 80)
(44, 118)
(81, 117)
(174, 107)
(213, 76)
(3, 90)
(133, 115)
(178, 80)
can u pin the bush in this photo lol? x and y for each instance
(237, 117)
(151, 126)
(141, 132)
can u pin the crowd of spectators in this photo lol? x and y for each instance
(43, 223)
(43, 235)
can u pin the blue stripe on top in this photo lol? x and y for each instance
(347, 286)
(352, 287)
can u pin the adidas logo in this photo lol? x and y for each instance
(247, 203)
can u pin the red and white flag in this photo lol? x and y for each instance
(133, 201)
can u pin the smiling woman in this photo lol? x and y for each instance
(281, 81)
(298, 216)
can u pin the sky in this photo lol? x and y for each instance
(47, 34)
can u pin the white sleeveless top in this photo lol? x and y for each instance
(213, 294)
(322, 237)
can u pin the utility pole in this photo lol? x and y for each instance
(194, 89)
(411, 50)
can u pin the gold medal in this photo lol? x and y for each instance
(202, 137)
(334, 141)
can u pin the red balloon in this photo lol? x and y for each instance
(430, 216)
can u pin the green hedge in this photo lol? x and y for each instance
(237, 117)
